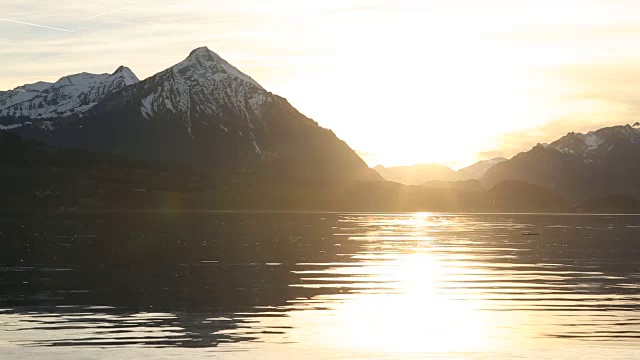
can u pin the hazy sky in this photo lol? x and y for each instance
(402, 81)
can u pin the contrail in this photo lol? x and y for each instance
(108, 12)
(30, 24)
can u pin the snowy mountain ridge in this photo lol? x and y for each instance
(72, 94)
(598, 163)
(594, 143)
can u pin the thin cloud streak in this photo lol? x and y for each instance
(36, 25)
(109, 12)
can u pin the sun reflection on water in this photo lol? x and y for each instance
(390, 322)
(395, 303)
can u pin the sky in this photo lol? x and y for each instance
(401, 81)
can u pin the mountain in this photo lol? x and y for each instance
(416, 174)
(520, 196)
(612, 204)
(468, 185)
(203, 113)
(580, 166)
(71, 94)
(38, 177)
(477, 170)
(435, 174)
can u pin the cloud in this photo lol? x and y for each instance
(36, 25)
(109, 12)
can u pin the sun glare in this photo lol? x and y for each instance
(442, 100)
(389, 322)
(385, 320)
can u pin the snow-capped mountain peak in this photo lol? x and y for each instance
(126, 75)
(203, 86)
(202, 61)
(72, 94)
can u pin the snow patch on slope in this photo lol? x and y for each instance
(255, 145)
(9, 127)
(147, 106)
(592, 141)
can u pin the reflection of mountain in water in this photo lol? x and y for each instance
(202, 279)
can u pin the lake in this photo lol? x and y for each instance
(316, 285)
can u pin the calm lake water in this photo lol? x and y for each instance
(274, 286)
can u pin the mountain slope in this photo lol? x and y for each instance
(477, 170)
(599, 163)
(204, 112)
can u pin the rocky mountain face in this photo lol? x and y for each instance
(201, 112)
(599, 163)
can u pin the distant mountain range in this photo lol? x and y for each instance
(201, 112)
(427, 173)
(601, 163)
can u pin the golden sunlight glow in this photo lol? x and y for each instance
(379, 314)
(426, 88)
(389, 322)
